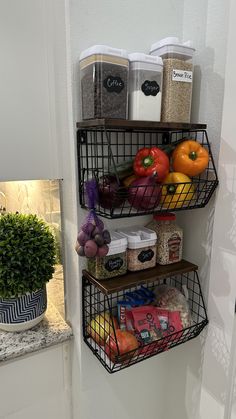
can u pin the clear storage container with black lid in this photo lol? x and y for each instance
(104, 82)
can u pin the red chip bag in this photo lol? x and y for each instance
(146, 323)
(170, 322)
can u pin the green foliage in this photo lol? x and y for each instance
(27, 254)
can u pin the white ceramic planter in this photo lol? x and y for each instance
(23, 312)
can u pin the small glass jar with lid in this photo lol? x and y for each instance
(169, 238)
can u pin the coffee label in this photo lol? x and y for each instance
(182, 75)
(113, 84)
(114, 264)
(145, 255)
(150, 88)
(174, 248)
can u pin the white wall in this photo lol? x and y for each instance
(140, 390)
(37, 386)
(219, 373)
(32, 97)
(27, 98)
(205, 23)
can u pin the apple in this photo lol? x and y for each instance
(123, 340)
(101, 326)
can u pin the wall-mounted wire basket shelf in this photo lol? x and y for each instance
(103, 145)
(101, 297)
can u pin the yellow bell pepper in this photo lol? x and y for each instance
(177, 190)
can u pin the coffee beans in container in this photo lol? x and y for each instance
(104, 82)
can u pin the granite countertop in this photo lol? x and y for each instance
(52, 330)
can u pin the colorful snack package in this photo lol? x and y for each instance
(170, 322)
(122, 309)
(136, 298)
(146, 323)
(172, 299)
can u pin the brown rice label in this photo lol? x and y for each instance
(182, 75)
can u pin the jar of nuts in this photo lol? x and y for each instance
(169, 238)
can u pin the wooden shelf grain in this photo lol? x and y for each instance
(131, 279)
(138, 125)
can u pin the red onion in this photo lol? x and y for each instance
(144, 193)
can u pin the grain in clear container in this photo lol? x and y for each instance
(104, 82)
(114, 263)
(169, 238)
(141, 250)
(177, 79)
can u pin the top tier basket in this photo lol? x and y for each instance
(103, 144)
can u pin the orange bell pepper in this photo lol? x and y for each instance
(177, 191)
(190, 158)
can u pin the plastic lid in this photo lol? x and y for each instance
(174, 46)
(145, 58)
(168, 216)
(105, 50)
(139, 237)
(118, 243)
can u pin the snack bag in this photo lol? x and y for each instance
(146, 323)
(170, 322)
(140, 297)
(170, 298)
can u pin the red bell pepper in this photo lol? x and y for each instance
(149, 161)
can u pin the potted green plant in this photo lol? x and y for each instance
(27, 258)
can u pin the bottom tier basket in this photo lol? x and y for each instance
(101, 297)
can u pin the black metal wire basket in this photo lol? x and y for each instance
(100, 313)
(101, 151)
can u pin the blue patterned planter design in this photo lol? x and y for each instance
(23, 309)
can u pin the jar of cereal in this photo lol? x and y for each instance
(169, 238)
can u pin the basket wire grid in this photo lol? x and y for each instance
(95, 303)
(100, 150)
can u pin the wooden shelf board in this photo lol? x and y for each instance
(138, 125)
(131, 279)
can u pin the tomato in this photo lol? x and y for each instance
(123, 340)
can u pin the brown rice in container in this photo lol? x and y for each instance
(177, 78)
(141, 251)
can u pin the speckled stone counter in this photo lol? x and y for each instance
(50, 331)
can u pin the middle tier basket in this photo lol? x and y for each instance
(106, 149)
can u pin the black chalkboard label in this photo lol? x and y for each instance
(114, 264)
(113, 84)
(150, 88)
(145, 255)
